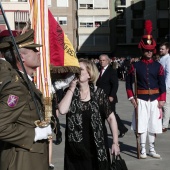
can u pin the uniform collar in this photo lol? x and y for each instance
(147, 61)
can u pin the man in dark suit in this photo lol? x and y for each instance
(108, 81)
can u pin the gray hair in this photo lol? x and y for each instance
(104, 55)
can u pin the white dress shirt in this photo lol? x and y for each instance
(165, 61)
(103, 70)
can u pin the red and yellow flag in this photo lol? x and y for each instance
(62, 54)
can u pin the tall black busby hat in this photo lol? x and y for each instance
(147, 41)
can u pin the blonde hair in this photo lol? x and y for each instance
(91, 69)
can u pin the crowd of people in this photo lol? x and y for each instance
(87, 101)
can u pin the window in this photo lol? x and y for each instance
(98, 4)
(102, 21)
(138, 14)
(94, 21)
(137, 32)
(121, 35)
(163, 4)
(2, 27)
(138, 5)
(86, 40)
(162, 32)
(137, 23)
(86, 24)
(86, 21)
(2, 19)
(63, 20)
(86, 6)
(101, 40)
(19, 25)
(62, 3)
(49, 2)
(93, 40)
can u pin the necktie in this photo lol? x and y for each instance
(101, 72)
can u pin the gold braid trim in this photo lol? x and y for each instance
(25, 44)
(64, 69)
(48, 108)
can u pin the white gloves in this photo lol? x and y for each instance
(42, 133)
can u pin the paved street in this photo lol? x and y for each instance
(127, 143)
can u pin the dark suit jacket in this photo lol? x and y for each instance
(109, 83)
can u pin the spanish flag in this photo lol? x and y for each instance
(62, 54)
(57, 52)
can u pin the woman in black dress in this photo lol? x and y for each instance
(87, 107)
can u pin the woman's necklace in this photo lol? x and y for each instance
(84, 97)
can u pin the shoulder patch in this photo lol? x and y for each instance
(12, 100)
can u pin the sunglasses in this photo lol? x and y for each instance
(35, 50)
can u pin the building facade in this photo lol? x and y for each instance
(16, 12)
(100, 26)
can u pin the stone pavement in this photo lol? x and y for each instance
(127, 143)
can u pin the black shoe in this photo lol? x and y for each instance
(164, 129)
(51, 166)
(122, 134)
(58, 138)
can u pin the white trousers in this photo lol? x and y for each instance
(166, 115)
(149, 117)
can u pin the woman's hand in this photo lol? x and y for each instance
(115, 149)
(73, 84)
(111, 99)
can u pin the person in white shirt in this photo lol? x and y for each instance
(165, 61)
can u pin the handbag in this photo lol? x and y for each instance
(118, 163)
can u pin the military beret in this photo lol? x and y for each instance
(3, 34)
(6, 33)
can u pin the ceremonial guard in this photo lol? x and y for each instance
(151, 93)
(25, 145)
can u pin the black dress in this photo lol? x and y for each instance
(82, 156)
